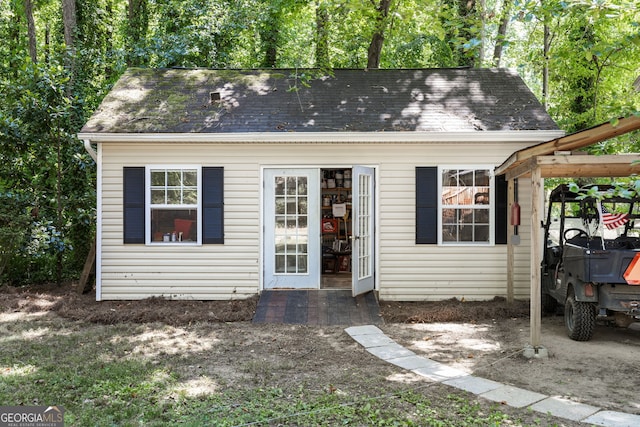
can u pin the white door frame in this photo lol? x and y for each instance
(376, 209)
(291, 212)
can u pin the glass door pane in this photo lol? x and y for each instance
(291, 225)
(364, 226)
(291, 234)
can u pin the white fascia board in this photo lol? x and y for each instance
(328, 137)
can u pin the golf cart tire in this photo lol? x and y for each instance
(579, 319)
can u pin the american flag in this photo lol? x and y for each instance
(612, 220)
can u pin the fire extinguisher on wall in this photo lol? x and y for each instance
(515, 210)
(515, 214)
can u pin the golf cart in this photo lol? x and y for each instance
(591, 262)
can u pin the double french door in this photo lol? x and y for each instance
(292, 235)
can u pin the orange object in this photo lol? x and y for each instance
(515, 214)
(632, 273)
(588, 290)
(183, 226)
(329, 225)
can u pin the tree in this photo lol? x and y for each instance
(377, 40)
(69, 21)
(322, 35)
(31, 30)
(580, 57)
(270, 33)
(573, 52)
(501, 37)
(138, 14)
(461, 19)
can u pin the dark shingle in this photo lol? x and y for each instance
(423, 100)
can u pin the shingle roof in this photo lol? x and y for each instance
(420, 100)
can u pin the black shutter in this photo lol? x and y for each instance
(212, 205)
(426, 205)
(133, 204)
(501, 210)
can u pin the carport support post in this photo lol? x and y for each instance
(510, 242)
(537, 207)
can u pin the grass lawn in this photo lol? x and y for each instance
(222, 374)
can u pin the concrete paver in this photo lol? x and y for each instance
(378, 344)
(412, 362)
(473, 384)
(440, 372)
(613, 419)
(513, 396)
(373, 340)
(564, 408)
(390, 351)
(363, 330)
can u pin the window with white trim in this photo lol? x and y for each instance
(465, 205)
(173, 204)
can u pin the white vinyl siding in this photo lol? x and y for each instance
(180, 271)
(405, 270)
(411, 272)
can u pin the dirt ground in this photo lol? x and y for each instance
(483, 338)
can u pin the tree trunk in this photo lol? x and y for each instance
(460, 33)
(322, 35)
(14, 38)
(545, 67)
(59, 210)
(47, 42)
(137, 29)
(270, 56)
(270, 35)
(375, 47)
(69, 20)
(502, 32)
(31, 30)
(482, 15)
(468, 13)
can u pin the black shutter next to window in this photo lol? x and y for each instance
(212, 205)
(501, 210)
(426, 205)
(133, 205)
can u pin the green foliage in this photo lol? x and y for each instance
(44, 163)
(594, 52)
(14, 226)
(625, 188)
(593, 58)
